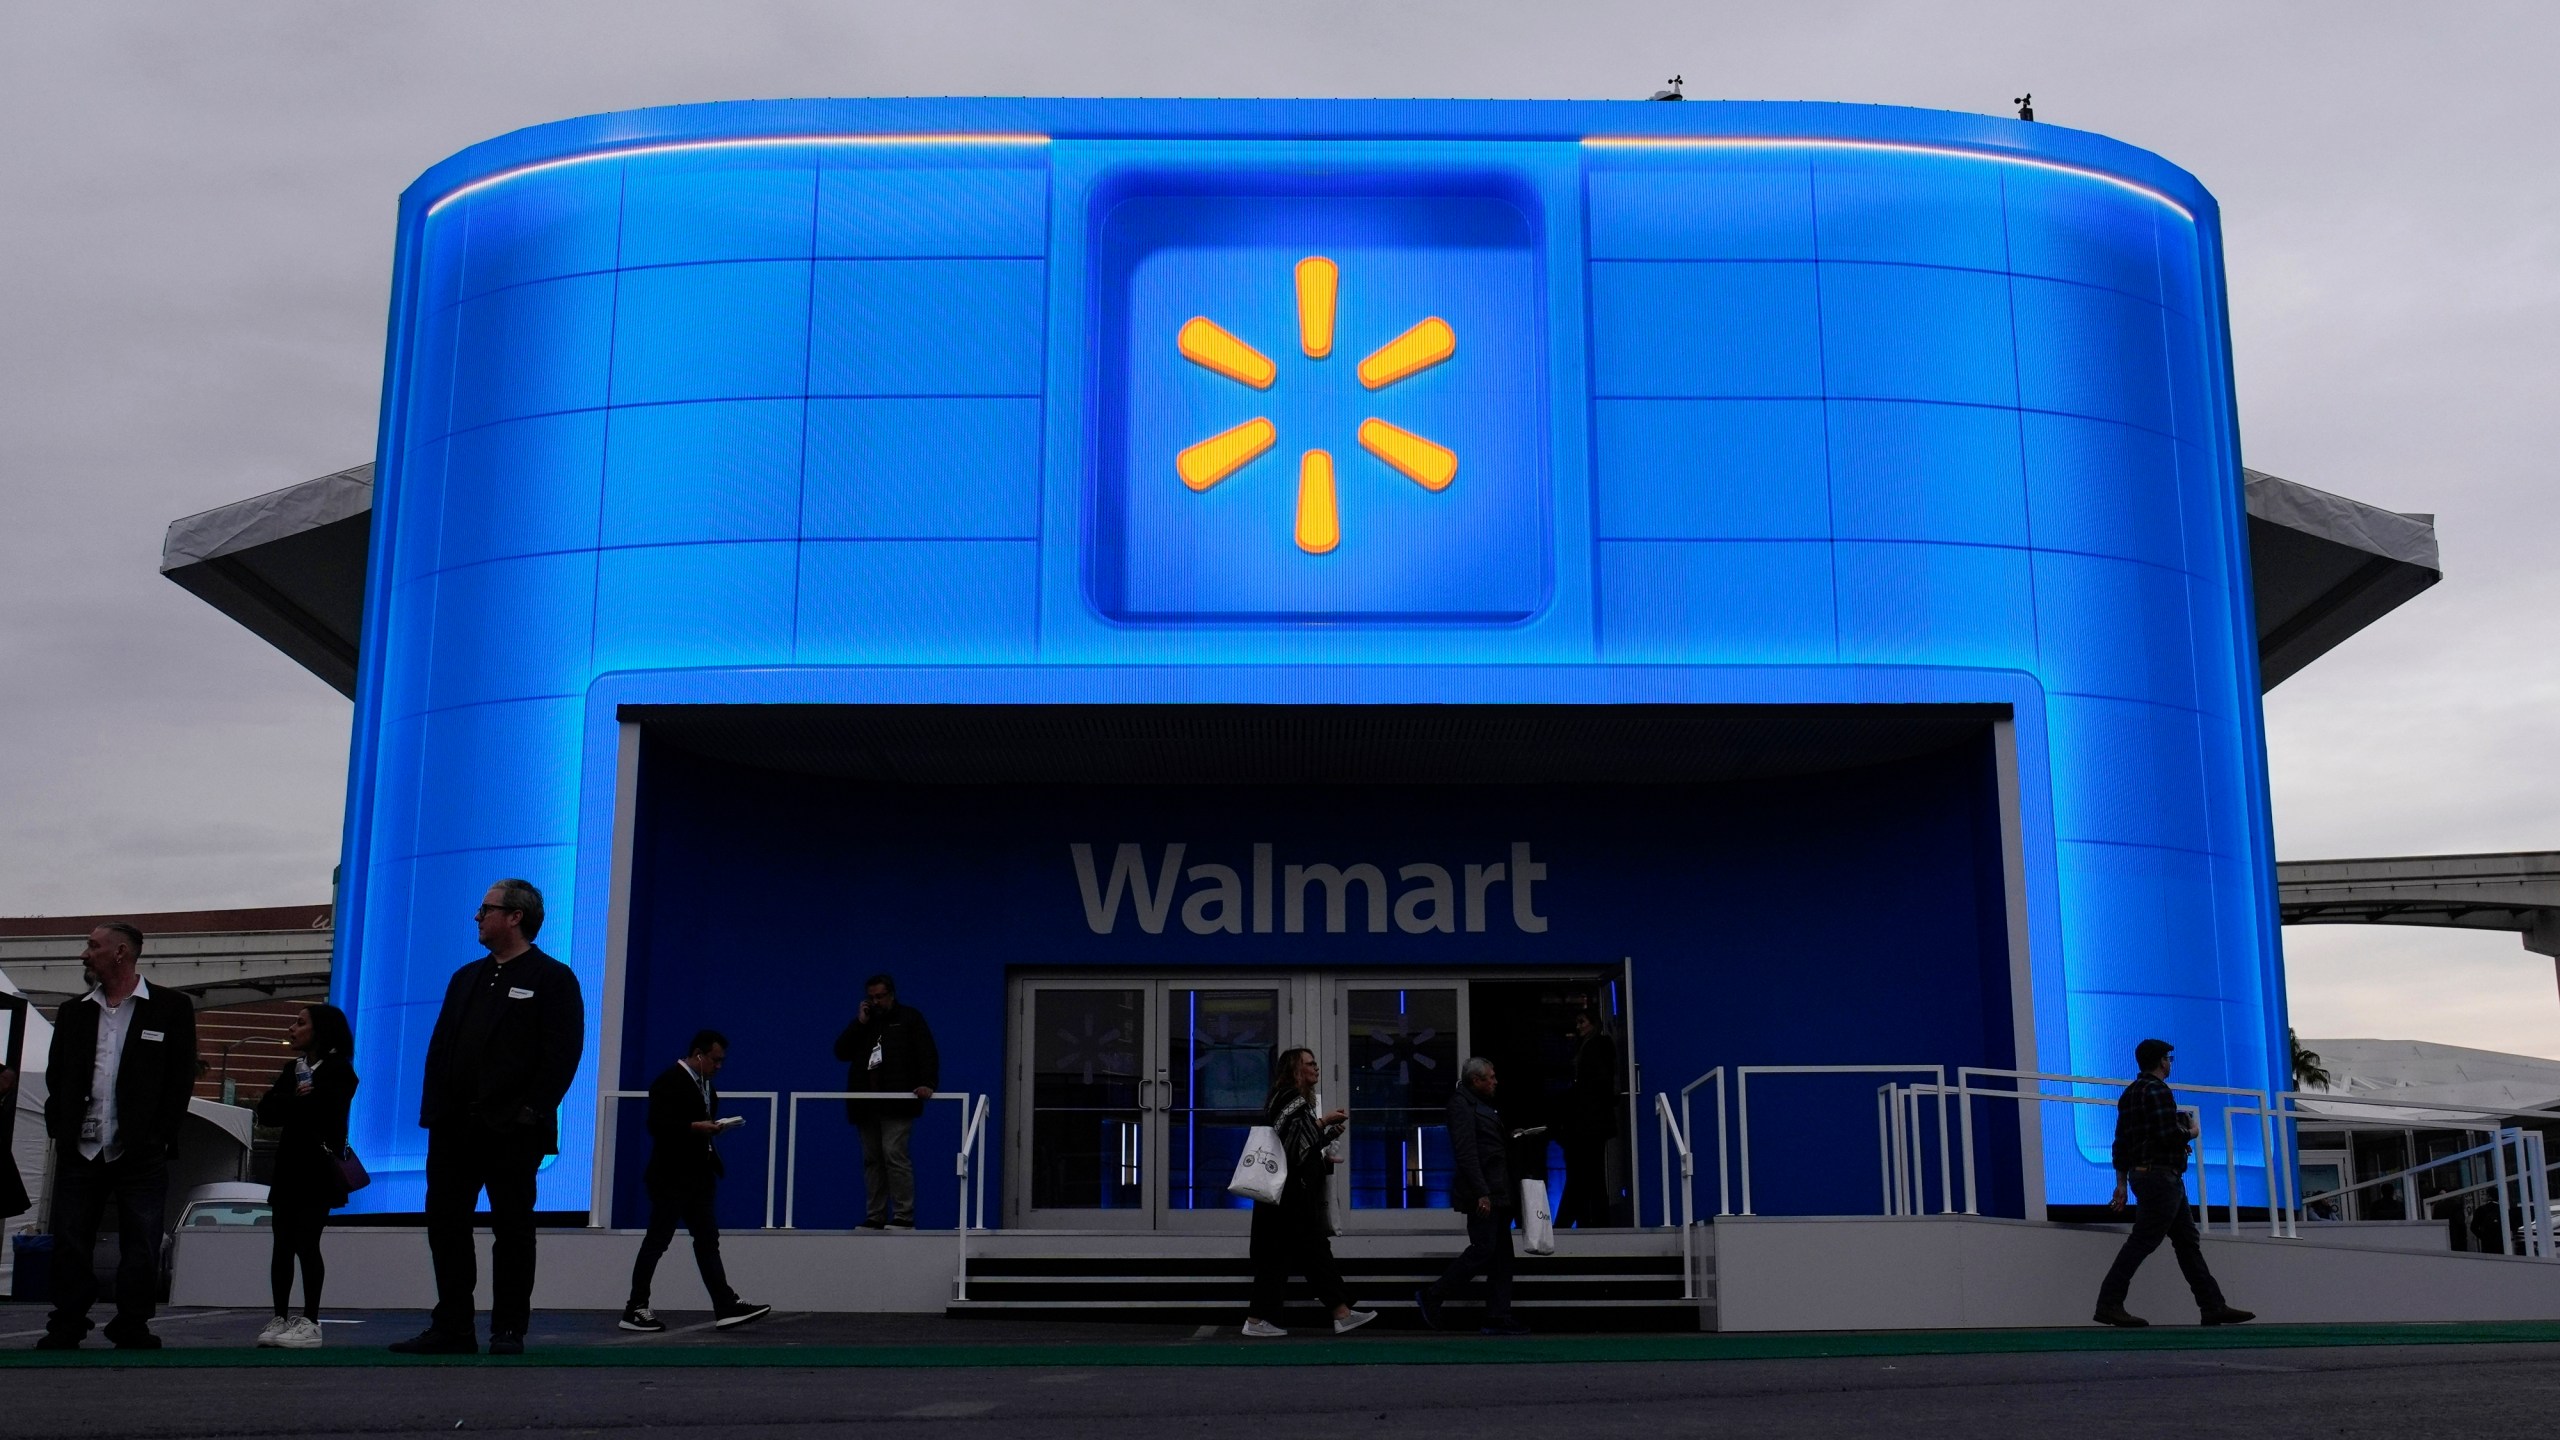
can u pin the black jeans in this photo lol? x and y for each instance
(1289, 1239)
(2160, 1212)
(297, 1221)
(1488, 1253)
(689, 1205)
(137, 1186)
(463, 1160)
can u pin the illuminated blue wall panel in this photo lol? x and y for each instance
(879, 402)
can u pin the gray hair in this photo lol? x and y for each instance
(521, 897)
(1476, 1068)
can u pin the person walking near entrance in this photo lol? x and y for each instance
(2152, 1135)
(1590, 1123)
(503, 1052)
(309, 1104)
(888, 1047)
(683, 1179)
(1480, 1188)
(1294, 1236)
(117, 1082)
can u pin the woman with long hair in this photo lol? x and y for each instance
(1294, 1237)
(309, 1103)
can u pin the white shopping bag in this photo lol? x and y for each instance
(1537, 1224)
(1263, 1169)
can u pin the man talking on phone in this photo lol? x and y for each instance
(683, 1177)
(888, 1050)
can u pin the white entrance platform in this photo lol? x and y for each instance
(386, 1268)
(1965, 1273)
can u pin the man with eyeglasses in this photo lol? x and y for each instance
(505, 1047)
(2152, 1135)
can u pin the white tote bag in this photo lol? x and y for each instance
(1263, 1169)
(1537, 1223)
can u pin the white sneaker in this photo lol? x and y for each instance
(1264, 1330)
(275, 1327)
(299, 1333)
(1344, 1324)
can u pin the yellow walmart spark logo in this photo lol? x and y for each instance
(1205, 343)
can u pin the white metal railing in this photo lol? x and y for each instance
(971, 1166)
(1672, 1133)
(1724, 1180)
(772, 1118)
(1742, 1107)
(791, 1142)
(2531, 1176)
(1967, 1093)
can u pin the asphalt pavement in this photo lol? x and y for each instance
(817, 1375)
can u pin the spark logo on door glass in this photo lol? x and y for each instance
(1211, 346)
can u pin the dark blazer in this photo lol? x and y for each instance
(678, 1157)
(907, 1059)
(315, 1130)
(157, 1074)
(526, 1039)
(1479, 1150)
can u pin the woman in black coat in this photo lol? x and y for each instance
(309, 1103)
(1294, 1237)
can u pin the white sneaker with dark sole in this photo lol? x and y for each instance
(1264, 1330)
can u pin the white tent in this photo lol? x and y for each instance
(2442, 1085)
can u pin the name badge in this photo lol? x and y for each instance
(153, 1035)
(517, 992)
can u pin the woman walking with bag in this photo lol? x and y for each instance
(1294, 1236)
(309, 1102)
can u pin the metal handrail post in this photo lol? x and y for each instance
(1885, 1151)
(1662, 1148)
(1670, 1131)
(1724, 1175)
(1946, 1172)
(1964, 1133)
(2498, 1170)
(1742, 1128)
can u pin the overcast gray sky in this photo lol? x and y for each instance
(196, 207)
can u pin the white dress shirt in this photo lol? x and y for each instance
(99, 1129)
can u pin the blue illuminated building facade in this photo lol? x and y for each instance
(1794, 604)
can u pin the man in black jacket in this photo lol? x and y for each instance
(888, 1047)
(2152, 1135)
(683, 1179)
(505, 1047)
(117, 1082)
(1479, 1188)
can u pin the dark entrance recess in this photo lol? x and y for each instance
(1526, 1028)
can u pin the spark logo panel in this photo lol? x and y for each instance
(1319, 407)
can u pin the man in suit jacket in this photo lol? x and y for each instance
(505, 1047)
(122, 1068)
(683, 1177)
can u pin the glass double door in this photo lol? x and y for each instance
(1133, 1098)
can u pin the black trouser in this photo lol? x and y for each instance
(2160, 1212)
(1289, 1239)
(298, 1221)
(463, 1160)
(1586, 1183)
(689, 1204)
(137, 1186)
(1488, 1253)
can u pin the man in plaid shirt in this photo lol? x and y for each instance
(2152, 1135)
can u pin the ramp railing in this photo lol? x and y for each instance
(1673, 1136)
(601, 1212)
(971, 1165)
(791, 1147)
(1742, 1107)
